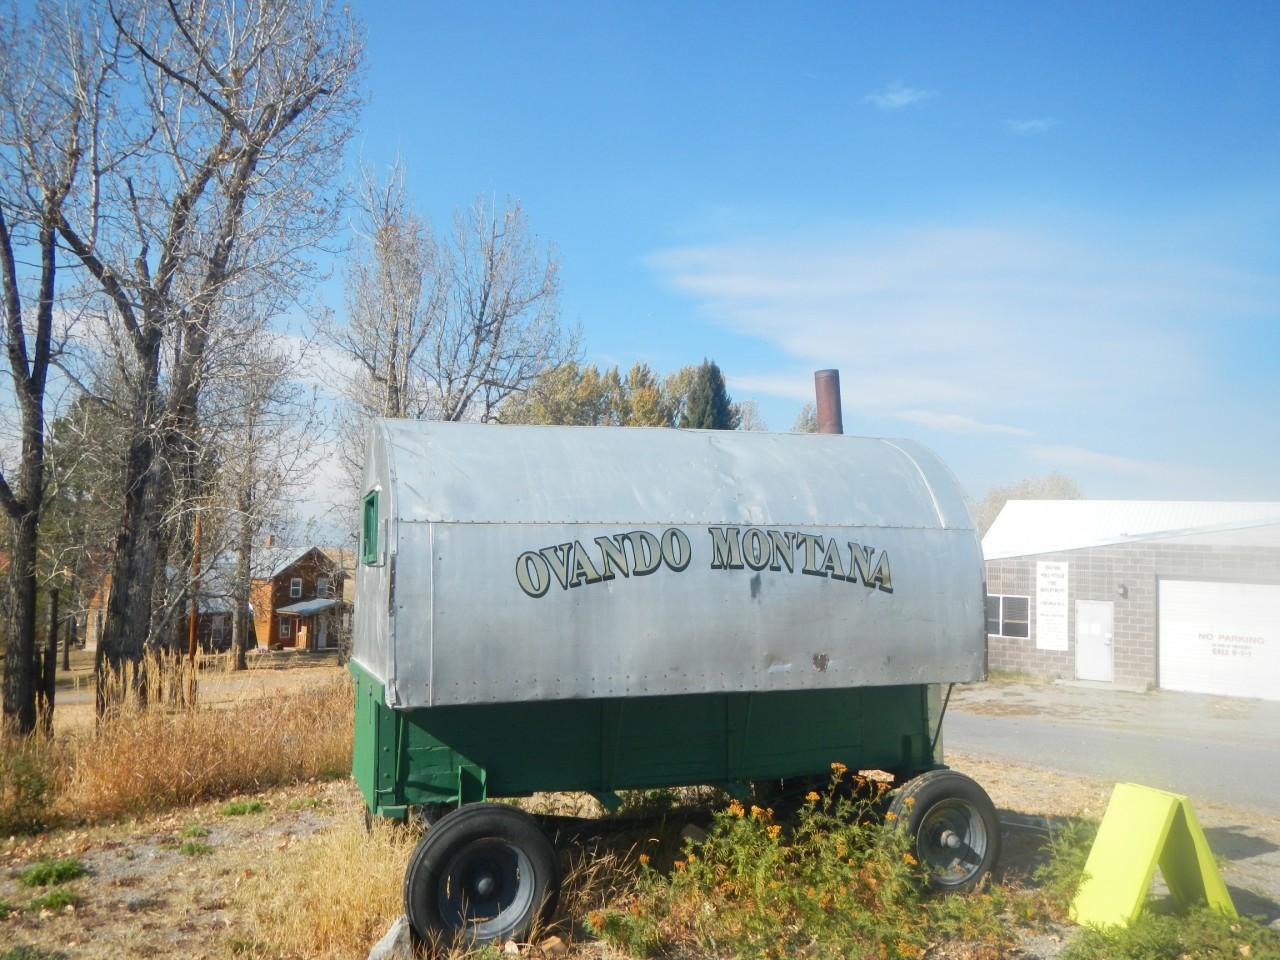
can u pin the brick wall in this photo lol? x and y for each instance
(1097, 573)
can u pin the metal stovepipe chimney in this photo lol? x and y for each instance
(826, 384)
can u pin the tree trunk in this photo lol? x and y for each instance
(20, 658)
(48, 674)
(68, 638)
(240, 589)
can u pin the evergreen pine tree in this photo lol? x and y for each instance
(708, 406)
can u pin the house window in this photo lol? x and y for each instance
(369, 529)
(286, 628)
(322, 586)
(1008, 616)
(295, 587)
(216, 630)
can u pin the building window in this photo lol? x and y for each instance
(286, 628)
(1008, 616)
(216, 630)
(322, 586)
(295, 587)
(369, 529)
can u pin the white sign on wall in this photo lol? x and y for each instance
(1051, 605)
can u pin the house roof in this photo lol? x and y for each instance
(1029, 527)
(270, 562)
(305, 608)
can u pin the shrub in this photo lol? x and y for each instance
(49, 872)
(195, 832)
(836, 882)
(1202, 934)
(31, 772)
(238, 808)
(56, 899)
(194, 848)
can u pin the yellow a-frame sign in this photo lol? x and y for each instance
(1142, 827)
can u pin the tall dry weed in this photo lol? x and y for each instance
(143, 759)
(332, 895)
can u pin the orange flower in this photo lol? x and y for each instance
(735, 808)
(909, 860)
(812, 796)
(910, 801)
(679, 864)
(890, 817)
(774, 830)
(838, 768)
(644, 859)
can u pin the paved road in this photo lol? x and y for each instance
(1212, 748)
(1216, 750)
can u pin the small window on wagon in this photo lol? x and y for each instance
(369, 529)
(1008, 616)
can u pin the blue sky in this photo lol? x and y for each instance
(1032, 236)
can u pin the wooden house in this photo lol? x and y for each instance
(297, 602)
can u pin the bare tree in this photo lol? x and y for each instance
(806, 420)
(501, 322)
(209, 185)
(267, 450)
(749, 417)
(49, 87)
(1052, 486)
(442, 329)
(394, 301)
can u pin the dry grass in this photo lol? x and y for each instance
(143, 760)
(331, 896)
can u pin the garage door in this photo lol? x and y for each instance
(1220, 638)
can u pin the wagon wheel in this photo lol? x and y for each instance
(481, 874)
(953, 825)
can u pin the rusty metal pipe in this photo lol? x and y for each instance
(826, 384)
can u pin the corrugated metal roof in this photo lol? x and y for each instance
(307, 607)
(481, 473)
(1029, 527)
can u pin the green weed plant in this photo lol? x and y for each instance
(238, 808)
(56, 900)
(836, 882)
(1201, 934)
(50, 872)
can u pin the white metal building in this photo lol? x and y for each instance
(1183, 595)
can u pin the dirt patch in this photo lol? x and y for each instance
(145, 897)
(1033, 800)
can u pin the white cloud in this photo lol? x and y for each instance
(898, 95)
(956, 423)
(1033, 127)
(1060, 455)
(953, 327)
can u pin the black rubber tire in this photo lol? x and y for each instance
(513, 855)
(940, 808)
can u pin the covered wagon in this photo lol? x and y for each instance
(596, 609)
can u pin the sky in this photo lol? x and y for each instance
(1033, 237)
